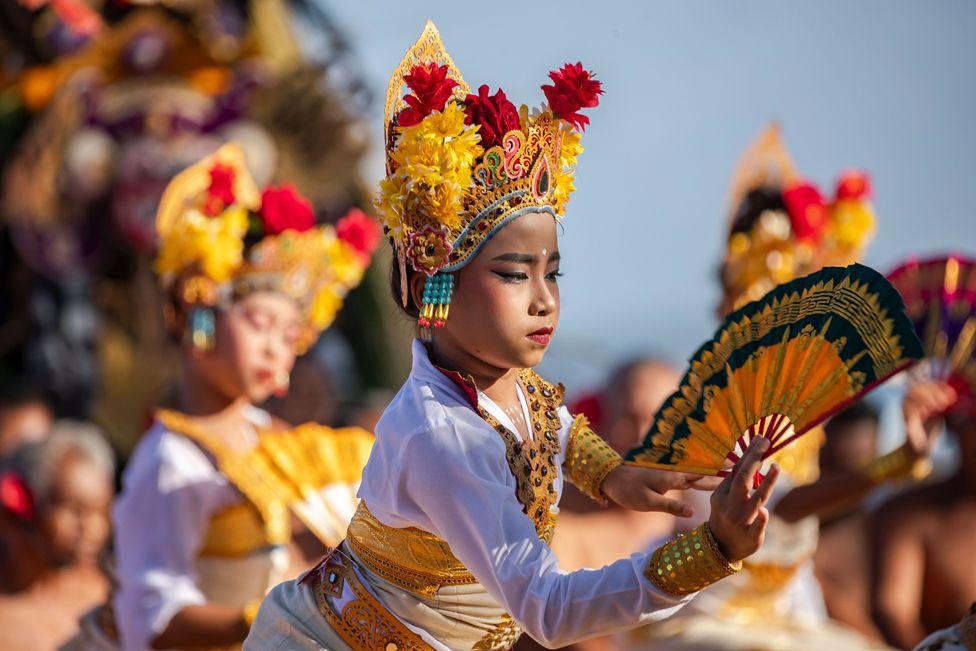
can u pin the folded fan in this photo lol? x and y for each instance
(940, 299)
(779, 366)
(315, 470)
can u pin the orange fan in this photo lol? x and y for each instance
(779, 366)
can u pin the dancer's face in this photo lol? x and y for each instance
(255, 343)
(75, 520)
(505, 306)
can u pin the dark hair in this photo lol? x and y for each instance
(753, 205)
(410, 309)
(19, 392)
(858, 412)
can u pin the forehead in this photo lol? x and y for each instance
(278, 304)
(529, 233)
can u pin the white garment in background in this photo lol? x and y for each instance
(170, 491)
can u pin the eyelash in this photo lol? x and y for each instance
(517, 276)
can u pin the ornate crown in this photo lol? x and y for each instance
(781, 227)
(220, 238)
(459, 165)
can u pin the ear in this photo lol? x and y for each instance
(415, 288)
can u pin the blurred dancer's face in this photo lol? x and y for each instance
(256, 342)
(850, 447)
(27, 423)
(505, 306)
(75, 520)
(636, 399)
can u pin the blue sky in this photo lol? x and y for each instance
(888, 86)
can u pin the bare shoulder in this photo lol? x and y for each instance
(913, 510)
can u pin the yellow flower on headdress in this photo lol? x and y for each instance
(562, 189)
(850, 225)
(433, 162)
(216, 244)
(570, 149)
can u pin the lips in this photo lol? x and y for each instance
(542, 336)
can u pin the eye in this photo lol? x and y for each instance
(258, 319)
(554, 275)
(511, 276)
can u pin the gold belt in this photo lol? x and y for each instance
(411, 559)
(363, 623)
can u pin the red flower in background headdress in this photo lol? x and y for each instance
(494, 113)
(572, 89)
(431, 89)
(220, 193)
(854, 185)
(359, 231)
(807, 210)
(285, 209)
(15, 496)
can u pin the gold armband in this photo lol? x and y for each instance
(251, 612)
(688, 563)
(589, 459)
(897, 465)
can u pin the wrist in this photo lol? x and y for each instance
(689, 563)
(899, 464)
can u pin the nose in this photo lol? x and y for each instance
(544, 299)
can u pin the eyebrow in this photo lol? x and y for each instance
(524, 258)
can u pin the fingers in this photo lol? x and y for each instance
(760, 496)
(662, 481)
(709, 483)
(758, 527)
(740, 482)
(664, 504)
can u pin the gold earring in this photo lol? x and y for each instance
(282, 380)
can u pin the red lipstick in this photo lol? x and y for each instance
(542, 336)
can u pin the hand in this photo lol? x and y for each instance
(923, 407)
(642, 489)
(738, 519)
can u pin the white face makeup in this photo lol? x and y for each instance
(545, 252)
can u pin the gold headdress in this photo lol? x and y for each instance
(459, 166)
(781, 227)
(221, 238)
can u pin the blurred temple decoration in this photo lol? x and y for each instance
(101, 103)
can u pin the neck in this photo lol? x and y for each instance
(22, 567)
(497, 383)
(197, 397)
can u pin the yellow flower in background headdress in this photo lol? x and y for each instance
(782, 227)
(219, 233)
(460, 165)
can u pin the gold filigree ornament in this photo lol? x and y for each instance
(222, 239)
(460, 166)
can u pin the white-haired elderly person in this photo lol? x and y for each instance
(55, 497)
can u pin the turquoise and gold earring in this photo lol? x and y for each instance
(436, 303)
(202, 329)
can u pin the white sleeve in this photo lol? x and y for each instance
(468, 498)
(170, 491)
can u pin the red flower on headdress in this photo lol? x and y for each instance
(283, 209)
(494, 113)
(15, 496)
(220, 192)
(431, 89)
(572, 89)
(361, 232)
(853, 184)
(807, 210)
